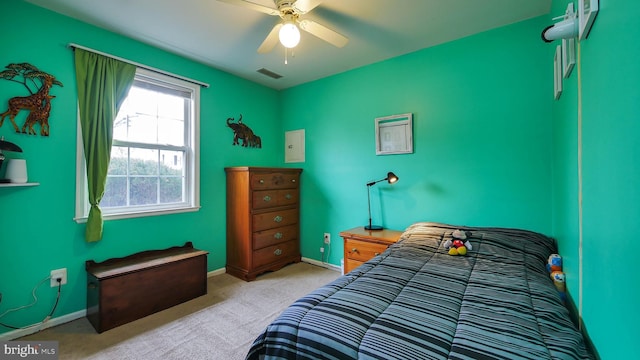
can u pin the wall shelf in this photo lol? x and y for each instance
(18, 185)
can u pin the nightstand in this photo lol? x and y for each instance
(361, 245)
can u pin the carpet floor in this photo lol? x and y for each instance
(220, 325)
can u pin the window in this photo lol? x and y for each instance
(154, 166)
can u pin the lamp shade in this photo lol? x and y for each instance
(17, 171)
(8, 146)
(289, 35)
(392, 178)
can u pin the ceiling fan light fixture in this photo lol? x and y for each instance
(289, 35)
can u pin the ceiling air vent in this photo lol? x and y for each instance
(269, 73)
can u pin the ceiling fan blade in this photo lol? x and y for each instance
(250, 5)
(304, 6)
(324, 33)
(271, 40)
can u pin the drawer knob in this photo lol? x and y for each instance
(277, 219)
(354, 250)
(278, 235)
(261, 181)
(266, 198)
(278, 252)
(293, 180)
(288, 196)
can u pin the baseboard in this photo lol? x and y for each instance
(322, 264)
(304, 259)
(11, 335)
(216, 272)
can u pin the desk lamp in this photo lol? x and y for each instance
(391, 178)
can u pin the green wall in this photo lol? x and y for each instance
(610, 154)
(565, 169)
(611, 174)
(566, 221)
(491, 148)
(37, 231)
(482, 138)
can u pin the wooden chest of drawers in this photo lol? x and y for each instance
(361, 245)
(262, 219)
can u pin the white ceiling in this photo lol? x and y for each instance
(226, 36)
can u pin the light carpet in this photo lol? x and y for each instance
(219, 325)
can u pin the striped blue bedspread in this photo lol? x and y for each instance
(415, 301)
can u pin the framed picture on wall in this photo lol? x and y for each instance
(587, 11)
(394, 134)
(568, 56)
(557, 73)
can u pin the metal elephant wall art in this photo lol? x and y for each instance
(242, 132)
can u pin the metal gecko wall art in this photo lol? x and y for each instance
(38, 103)
(242, 132)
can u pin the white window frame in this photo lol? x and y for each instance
(192, 163)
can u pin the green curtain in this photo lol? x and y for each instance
(103, 84)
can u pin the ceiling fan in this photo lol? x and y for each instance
(287, 31)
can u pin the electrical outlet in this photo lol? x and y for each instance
(327, 238)
(322, 249)
(58, 274)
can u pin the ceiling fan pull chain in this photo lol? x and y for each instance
(286, 57)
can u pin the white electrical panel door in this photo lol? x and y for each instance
(294, 146)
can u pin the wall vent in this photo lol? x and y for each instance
(269, 73)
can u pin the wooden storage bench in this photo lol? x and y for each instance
(121, 290)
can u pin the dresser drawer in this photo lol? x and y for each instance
(274, 236)
(362, 250)
(275, 253)
(350, 264)
(269, 198)
(288, 197)
(273, 219)
(260, 181)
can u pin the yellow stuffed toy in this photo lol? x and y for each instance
(458, 244)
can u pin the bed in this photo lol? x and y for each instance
(415, 301)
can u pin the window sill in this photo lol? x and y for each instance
(108, 217)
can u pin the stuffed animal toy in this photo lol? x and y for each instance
(458, 244)
(554, 267)
(559, 279)
(554, 263)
